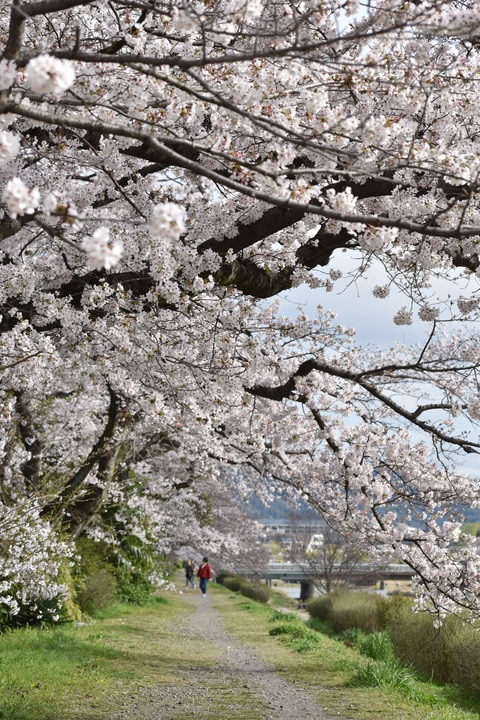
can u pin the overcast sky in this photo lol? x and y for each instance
(371, 317)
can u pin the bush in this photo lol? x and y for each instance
(97, 592)
(133, 588)
(320, 607)
(321, 626)
(288, 628)
(352, 636)
(234, 582)
(279, 616)
(464, 653)
(357, 610)
(417, 642)
(260, 593)
(222, 575)
(392, 607)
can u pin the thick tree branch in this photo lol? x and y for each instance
(287, 391)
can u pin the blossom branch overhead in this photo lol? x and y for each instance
(165, 168)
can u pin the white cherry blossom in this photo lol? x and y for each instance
(47, 74)
(101, 250)
(19, 199)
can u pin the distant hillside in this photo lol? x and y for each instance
(472, 515)
(282, 509)
(278, 509)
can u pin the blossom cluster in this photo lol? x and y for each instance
(101, 250)
(209, 158)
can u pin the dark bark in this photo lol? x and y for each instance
(31, 468)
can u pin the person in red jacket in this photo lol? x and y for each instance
(205, 574)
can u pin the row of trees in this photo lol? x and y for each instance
(167, 170)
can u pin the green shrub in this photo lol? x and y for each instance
(392, 607)
(464, 651)
(260, 593)
(321, 626)
(419, 643)
(133, 588)
(297, 630)
(352, 636)
(320, 607)
(97, 592)
(222, 575)
(234, 582)
(358, 610)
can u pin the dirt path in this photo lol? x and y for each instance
(239, 686)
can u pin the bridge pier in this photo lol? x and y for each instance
(306, 590)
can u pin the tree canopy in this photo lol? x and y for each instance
(167, 170)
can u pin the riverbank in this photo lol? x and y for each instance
(185, 656)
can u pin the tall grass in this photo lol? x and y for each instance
(383, 674)
(255, 591)
(388, 630)
(377, 645)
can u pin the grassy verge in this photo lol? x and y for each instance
(89, 671)
(86, 671)
(348, 683)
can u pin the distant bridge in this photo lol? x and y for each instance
(306, 575)
(298, 572)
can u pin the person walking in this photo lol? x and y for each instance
(189, 573)
(205, 574)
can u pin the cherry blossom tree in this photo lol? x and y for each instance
(165, 169)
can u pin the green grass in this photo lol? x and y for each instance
(471, 528)
(83, 672)
(78, 671)
(348, 683)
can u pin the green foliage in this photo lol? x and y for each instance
(287, 629)
(321, 626)
(368, 612)
(299, 637)
(133, 588)
(104, 573)
(277, 615)
(233, 582)
(98, 591)
(222, 575)
(464, 651)
(360, 610)
(449, 654)
(376, 645)
(351, 636)
(471, 528)
(385, 674)
(257, 592)
(320, 607)
(392, 607)
(70, 611)
(419, 643)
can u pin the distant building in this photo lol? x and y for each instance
(315, 543)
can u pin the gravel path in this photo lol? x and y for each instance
(241, 685)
